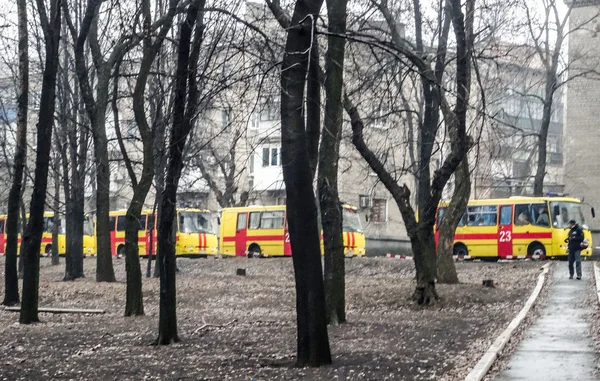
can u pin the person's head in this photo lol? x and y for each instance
(572, 223)
(543, 211)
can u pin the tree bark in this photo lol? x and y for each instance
(35, 226)
(183, 114)
(446, 272)
(330, 207)
(446, 269)
(56, 208)
(313, 343)
(11, 278)
(96, 110)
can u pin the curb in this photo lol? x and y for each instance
(597, 279)
(485, 363)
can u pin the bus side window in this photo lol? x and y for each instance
(254, 220)
(505, 215)
(1, 226)
(522, 215)
(111, 222)
(241, 221)
(121, 223)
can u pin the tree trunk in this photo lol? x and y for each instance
(424, 251)
(540, 173)
(35, 227)
(331, 210)
(446, 272)
(185, 83)
(446, 269)
(313, 342)
(11, 278)
(104, 268)
(96, 110)
(22, 228)
(56, 207)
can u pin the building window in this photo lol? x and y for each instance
(364, 201)
(251, 163)
(225, 118)
(270, 157)
(269, 110)
(379, 210)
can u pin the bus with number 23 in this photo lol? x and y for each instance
(516, 227)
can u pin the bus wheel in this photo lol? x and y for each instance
(460, 250)
(121, 251)
(48, 251)
(254, 251)
(536, 249)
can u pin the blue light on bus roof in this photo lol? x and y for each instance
(556, 194)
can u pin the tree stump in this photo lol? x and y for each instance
(240, 272)
(488, 283)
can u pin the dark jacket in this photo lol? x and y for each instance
(575, 238)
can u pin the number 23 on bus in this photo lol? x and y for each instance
(262, 231)
(516, 227)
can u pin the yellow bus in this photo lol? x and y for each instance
(195, 233)
(516, 227)
(262, 231)
(46, 246)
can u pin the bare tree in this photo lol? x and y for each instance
(11, 280)
(429, 187)
(184, 111)
(313, 343)
(35, 226)
(330, 207)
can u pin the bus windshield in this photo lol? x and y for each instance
(351, 221)
(195, 222)
(563, 212)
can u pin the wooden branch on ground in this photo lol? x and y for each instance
(206, 325)
(59, 310)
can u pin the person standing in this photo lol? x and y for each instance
(575, 240)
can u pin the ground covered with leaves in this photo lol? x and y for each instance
(251, 324)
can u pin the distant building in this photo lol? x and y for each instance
(582, 133)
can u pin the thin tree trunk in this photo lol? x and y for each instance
(330, 207)
(11, 278)
(313, 342)
(35, 227)
(446, 272)
(22, 228)
(56, 208)
(446, 269)
(183, 114)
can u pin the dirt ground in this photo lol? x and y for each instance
(387, 337)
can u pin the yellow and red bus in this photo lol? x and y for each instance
(89, 246)
(262, 231)
(195, 233)
(516, 227)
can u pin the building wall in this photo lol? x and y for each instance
(582, 133)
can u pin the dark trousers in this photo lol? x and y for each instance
(575, 257)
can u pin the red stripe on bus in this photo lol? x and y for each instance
(495, 236)
(476, 236)
(257, 238)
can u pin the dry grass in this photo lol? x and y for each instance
(387, 337)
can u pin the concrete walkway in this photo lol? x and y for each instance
(558, 346)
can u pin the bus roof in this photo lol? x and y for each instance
(252, 208)
(516, 200)
(122, 212)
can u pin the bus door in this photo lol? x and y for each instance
(505, 233)
(240, 234)
(2, 236)
(287, 244)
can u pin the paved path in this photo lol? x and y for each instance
(558, 346)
